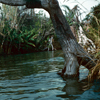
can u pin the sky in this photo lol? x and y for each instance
(85, 5)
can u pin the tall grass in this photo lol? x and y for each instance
(94, 35)
(13, 35)
(23, 32)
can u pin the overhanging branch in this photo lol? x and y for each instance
(14, 2)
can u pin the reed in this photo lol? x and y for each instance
(23, 32)
(94, 34)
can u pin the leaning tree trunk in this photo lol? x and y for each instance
(67, 41)
(73, 52)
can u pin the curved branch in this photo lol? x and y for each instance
(14, 2)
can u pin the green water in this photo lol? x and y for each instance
(34, 77)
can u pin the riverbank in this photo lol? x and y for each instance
(24, 48)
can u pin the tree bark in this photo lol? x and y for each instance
(67, 41)
(73, 52)
(14, 2)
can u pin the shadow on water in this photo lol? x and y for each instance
(34, 77)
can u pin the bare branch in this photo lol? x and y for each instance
(14, 2)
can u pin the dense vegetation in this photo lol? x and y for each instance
(95, 19)
(23, 31)
(93, 24)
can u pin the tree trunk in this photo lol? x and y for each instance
(67, 41)
(73, 52)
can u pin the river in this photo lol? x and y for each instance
(34, 77)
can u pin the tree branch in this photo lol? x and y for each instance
(14, 2)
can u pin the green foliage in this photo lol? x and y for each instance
(70, 14)
(23, 33)
(97, 55)
(92, 22)
(13, 31)
(95, 20)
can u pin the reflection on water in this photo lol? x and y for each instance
(34, 77)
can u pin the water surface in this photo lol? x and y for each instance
(34, 77)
